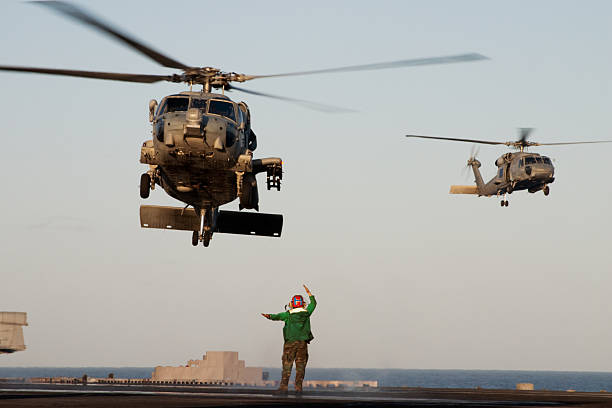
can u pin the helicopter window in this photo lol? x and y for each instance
(199, 103)
(530, 160)
(539, 159)
(222, 108)
(521, 163)
(161, 109)
(501, 172)
(240, 117)
(546, 160)
(177, 104)
(245, 114)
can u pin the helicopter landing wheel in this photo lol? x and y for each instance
(546, 190)
(206, 239)
(502, 203)
(145, 185)
(195, 238)
(506, 203)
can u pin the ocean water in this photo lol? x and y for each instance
(492, 379)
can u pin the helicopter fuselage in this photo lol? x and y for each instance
(516, 171)
(201, 153)
(521, 170)
(201, 150)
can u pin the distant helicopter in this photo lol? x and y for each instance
(521, 170)
(201, 152)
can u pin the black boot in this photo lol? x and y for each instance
(282, 390)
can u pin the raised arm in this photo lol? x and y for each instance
(313, 302)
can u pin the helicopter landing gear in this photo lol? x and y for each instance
(546, 190)
(145, 185)
(504, 202)
(206, 238)
(207, 220)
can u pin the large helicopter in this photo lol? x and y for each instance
(516, 171)
(201, 150)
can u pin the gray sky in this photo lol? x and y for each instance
(406, 276)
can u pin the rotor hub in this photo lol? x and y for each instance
(209, 77)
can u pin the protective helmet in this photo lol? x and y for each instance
(297, 301)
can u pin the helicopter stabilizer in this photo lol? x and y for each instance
(228, 222)
(463, 190)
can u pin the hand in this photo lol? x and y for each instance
(307, 290)
(266, 315)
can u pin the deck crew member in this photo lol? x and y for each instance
(297, 336)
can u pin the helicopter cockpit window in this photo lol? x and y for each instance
(521, 163)
(198, 103)
(530, 160)
(546, 160)
(177, 104)
(539, 159)
(222, 108)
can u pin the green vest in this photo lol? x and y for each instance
(297, 322)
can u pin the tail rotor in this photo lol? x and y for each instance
(473, 154)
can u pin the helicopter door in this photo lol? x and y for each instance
(503, 174)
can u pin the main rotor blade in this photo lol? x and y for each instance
(84, 17)
(458, 140)
(383, 65)
(570, 143)
(142, 78)
(307, 104)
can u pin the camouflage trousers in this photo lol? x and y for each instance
(294, 351)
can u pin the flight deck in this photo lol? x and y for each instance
(153, 396)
